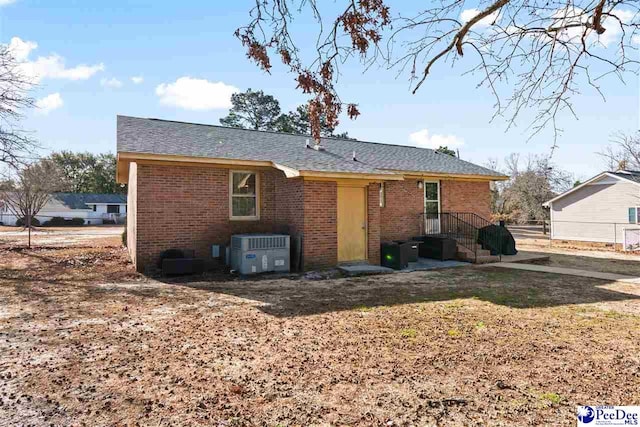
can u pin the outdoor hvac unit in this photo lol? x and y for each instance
(259, 253)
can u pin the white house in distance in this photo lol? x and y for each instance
(605, 209)
(92, 208)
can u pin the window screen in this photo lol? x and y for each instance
(244, 197)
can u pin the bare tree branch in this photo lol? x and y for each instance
(15, 144)
(531, 54)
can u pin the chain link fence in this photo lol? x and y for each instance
(586, 234)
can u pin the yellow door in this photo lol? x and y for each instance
(352, 224)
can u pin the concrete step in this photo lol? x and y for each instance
(486, 259)
(468, 256)
(481, 252)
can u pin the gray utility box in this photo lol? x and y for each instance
(259, 253)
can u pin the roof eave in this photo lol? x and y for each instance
(372, 176)
(460, 176)
(124, 158)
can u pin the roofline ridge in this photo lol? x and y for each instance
(274, 132)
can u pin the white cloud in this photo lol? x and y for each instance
(6, 2)
(196, 94)
(112, 83)
(49, 103)
(624, 15)
(424, 139)
(612, 25)
(137, 79)
(52, 66)
(21, 49)
(469, 14)
(576, 15)
(635, 39)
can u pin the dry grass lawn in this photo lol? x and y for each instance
(84, 340)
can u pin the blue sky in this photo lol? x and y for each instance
(88, 53)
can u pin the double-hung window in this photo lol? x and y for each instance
(634, 215)
(243, 195)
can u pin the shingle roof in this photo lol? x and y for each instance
(66, 201)
(153, 136)
(630, 175)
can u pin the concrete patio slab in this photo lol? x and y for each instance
(431, 264)
(568, 271)
(524, 256)
(422, 264)
(363, 269)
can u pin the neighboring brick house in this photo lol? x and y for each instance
(193, 185)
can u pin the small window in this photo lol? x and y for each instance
(95, 207)
(383, 195)
(113, 209)
(634, 215)
(244, 195)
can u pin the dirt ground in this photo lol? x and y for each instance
(590, 263)
(84, 340)
(531, 239)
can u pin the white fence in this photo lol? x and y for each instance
(623, 236)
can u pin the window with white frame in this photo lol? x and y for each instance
(383, 196)
(243, 195)
(634, 215)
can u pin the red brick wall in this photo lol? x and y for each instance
(320, 224)
(373, 223)
(188, 207)
(289, 199)
(466, 196)
(400, 217)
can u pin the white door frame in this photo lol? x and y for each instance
(435, 224)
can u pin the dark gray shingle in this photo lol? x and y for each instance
(153, 136)
(80, 200)
(630, 175)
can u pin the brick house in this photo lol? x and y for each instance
(193, 185)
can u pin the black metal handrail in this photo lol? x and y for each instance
(469, 229)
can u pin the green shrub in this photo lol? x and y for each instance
(124, 238)
(76, 221)
(56, 221)
(22, 222)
